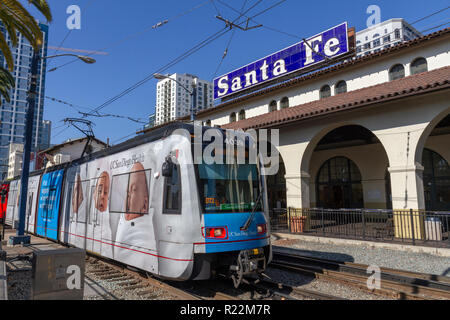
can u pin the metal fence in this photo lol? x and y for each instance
(407, 226)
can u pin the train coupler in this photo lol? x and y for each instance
(248, 262)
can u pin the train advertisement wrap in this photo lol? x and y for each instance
(113, 206)
(32, 198)
(145, 203)
(12, 211)
(48, 207)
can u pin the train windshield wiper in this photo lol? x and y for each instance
(250, 219)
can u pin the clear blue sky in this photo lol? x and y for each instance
(105, 22)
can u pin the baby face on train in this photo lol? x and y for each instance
(102, 192)
(137, 198)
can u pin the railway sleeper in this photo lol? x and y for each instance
(111, 276)
(123, 278)
(134, 287)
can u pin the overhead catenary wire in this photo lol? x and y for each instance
(183, 56)
(96, 114)
(228, 45)
(136, 34)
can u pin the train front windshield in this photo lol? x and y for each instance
(229, 187)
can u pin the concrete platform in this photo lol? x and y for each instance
(441, 252)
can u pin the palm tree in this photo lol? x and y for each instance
(15, 18)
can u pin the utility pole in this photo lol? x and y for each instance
(20, 236)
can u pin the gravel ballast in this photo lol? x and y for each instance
(366, 254)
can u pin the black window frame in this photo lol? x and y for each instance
(415, 68)
(284, 103)
(127, 190)
(338, 89)
(273, 106)
(392, 73)
(242, 115)
(172, 211)
(322, 91)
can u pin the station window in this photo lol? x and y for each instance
(396, 72)
(325, 92)
(284, 103)
(273, 106)
(233, 117)
(172, 192)
(242, 115)
(419, 65)
(341, 87)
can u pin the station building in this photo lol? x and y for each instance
(371, 131)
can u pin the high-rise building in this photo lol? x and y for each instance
(46, 134)
(151, 122)
(13, 114)
(384, 35)
(173, 101)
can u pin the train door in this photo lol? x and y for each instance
(79, 213)
(94, 231)
(29, 220)
(10, 207)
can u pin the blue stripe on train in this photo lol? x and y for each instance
(237, 239)
(48, 206)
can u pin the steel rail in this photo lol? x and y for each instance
(396, 283)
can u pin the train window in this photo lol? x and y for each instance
(172, 192)
(79, 201)
(130, 193)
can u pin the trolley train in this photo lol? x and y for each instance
(146, 203)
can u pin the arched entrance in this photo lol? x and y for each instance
(347, 169)
(436, 181)
(277, 188)
(434, 155)
(339, 184)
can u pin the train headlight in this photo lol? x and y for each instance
(261, 228)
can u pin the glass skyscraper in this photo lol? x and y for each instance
(12, 125)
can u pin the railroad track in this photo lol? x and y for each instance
(398, 284)
(141, 283)
(286, 292)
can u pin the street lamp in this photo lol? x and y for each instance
(193, 93)
(20, 236)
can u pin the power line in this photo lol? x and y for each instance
(225, 53)
(261, 12)
(430, 15)
(95, 114)
(136, 34)
(183, 56)
(441, 25)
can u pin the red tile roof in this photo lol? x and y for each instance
(425, 82)
(314, 75)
